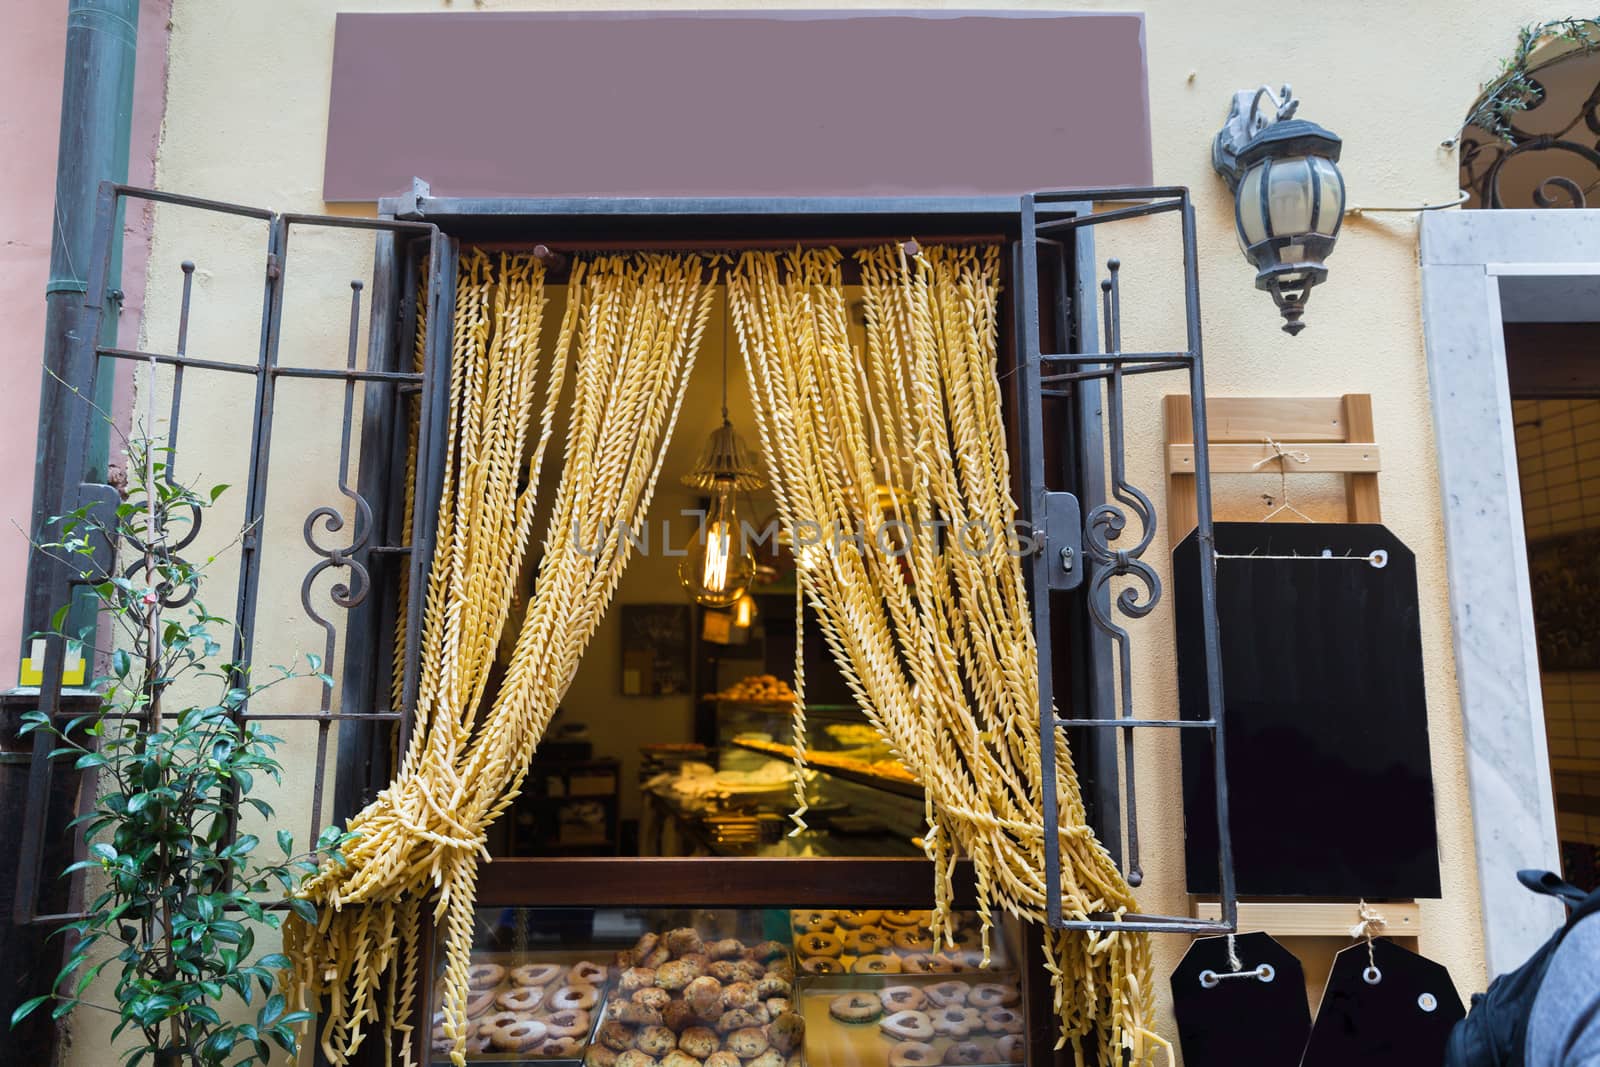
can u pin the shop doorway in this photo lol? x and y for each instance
(1555, 391)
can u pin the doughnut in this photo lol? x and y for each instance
(616, 1035)
(726, 949)
(722, 1059)
(987, 995)
(865, 941)
(535, 974)
(676, 975)
(809, 922)
(652, 997)
(1010, 1048)
(655, 1040)
(821, 965)
(857, 919)
(773, 987)
(787, 1032)
(768, 950)
(902, 998)
(925, 963)
(737, 1019)
(704, 995)
(906, 918)
(636, 978)
(573, 997)
(723, 970)
(518, 1036)
(682, 941)
(855, 1008)
(482, 976)
(678, 1015)
(912, 1054)
(586, 972)
(480, 1003)
(679, 1058)
(524, 998)
(699, 1041)
(740, 995)
(907, 1026)
(913, 939)
(570, 1022)
(1002, 1021)
(634, 1013)
(634, 1058)
(820, 944)
(876, 965)
(944, 994)
(748, 1043)
(599, 1056)
(956, 1021)
(645, 945)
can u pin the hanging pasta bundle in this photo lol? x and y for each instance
(631, 329)
(923, 605)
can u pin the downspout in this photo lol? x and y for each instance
(96, 117)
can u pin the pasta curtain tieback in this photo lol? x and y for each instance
(628, 338)
(930, 626)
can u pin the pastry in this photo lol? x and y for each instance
(777, 1006)
(902, 998)
(1010, 1048)
(747, 1043)
(683, 941)
(925, 963)
(876, 965)
(906, 918)
(646, 944)
(636, 978)
(726, 949)
(819, 944)
(484, 976)
(517, 1036)
(678, 1015)
(857, 919)
(943, 994)
(773, 987)
(913, 939)
(535, 974)
(855, 1008)
(787, 1032)
(616, 1035)
(479, 1003)
(907, 1025)
(1002, 1021)
(699, 1041)
(572, 1022)
(676, 975)
(768, 950)
(634, 1058)
(866, 941)
(652, 997)
(737, 1019)
(564, 1048)
(655, 1040)
(912, 1054)
(635, 1013)
(574, 997)
(705, 996)
(599, 1056)
(821, 965)
(522, 998)
(956, 1021)
(724, 970)
(679, 1058)
(740, 995)
(722, 1059)
(806, 922)
(966, 1052)
(987, 995)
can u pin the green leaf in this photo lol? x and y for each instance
(121, 663)
(26, 1008)
(303, 908)
(103, 851)
(271, 1010)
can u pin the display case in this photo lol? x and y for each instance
(737, 987)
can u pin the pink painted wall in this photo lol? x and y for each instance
(31, 58)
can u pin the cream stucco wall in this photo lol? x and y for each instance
(246, 119)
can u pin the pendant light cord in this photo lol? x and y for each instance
(727, 313)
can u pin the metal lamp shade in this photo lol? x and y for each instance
(1287, 210)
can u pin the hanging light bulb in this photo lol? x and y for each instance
(718, 564)
(744, 612)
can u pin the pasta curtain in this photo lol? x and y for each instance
(630, 331)
(890, 470)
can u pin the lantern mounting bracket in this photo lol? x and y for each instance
(1253, 110)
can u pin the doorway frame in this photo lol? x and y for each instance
(1463, 257)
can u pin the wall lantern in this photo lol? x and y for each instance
(1288, 194)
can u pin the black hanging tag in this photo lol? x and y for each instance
(1394, 1007)
(1256, 1015)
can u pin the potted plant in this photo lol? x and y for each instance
(178, 888)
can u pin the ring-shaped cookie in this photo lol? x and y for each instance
(574, 997)
(907, 1025)
(822, 965)
(876, 964)
(912, 1054)
(519, 1036)
(570, 1022)
(587, 972)
(820, 944)
(523, 998)
(860, 1007)
(535, 974)
(485, 976)
(902, 998)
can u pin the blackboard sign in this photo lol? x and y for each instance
(1326, 719)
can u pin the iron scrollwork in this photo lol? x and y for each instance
(1485, 155)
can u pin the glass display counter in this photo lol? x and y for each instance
(737, 987)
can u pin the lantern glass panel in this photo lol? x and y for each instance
(1330, 199)
(1252, 224)
(1290, 200)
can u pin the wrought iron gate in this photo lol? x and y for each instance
(1082, 371)
(377, 550)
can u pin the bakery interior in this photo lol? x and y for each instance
(675, 740)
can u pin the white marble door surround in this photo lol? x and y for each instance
(1465, 255)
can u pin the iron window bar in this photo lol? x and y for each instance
(1119, 519)
(403, 247)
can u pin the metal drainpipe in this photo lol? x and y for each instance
(96, 118)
